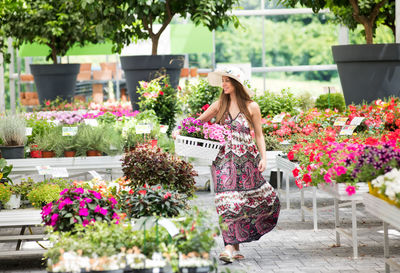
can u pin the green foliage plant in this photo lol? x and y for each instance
(152, 166)
(12, 130)
(200, 94)
(39, 127)
(50, 140)
(5, 170)
(91, 138)
(43, 194)
(158, 95)
(331, 101)
(271, 143)
(59, 24)
(368, 13)
(272, 104)
(152, 201)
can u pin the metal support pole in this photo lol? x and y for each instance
(343, 35)
(397, 23)
(337, 221)
(12, 76)
(287, 190)
(214, 51)
(302, 204)
(263, 44)
(386, 246)
(2, 94)
(19, 74)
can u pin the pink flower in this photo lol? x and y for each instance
(47, 209)
(340, 170)
(113, 201)
(64, 191)
(351, 190)
(115, 216)
(79, 190)
(83, 212)
(96, 194)
(167, 195)
(85, 222)
(327, 178)
(54, 219)
(103, 211)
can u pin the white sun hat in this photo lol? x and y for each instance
(215, 77)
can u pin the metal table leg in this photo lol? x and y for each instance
(315, 212)
(354, 227)
(302, 204)
(386, 246)
(287, 190)
(337, 222)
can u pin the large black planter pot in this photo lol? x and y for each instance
(203, 269)
(12, 152)
(147, 68)
(55, 80)
(368, 72)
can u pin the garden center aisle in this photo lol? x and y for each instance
(292, 247)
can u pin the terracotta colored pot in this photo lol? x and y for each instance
(36, 154)
(93, 153)
(48, 154)
(69, 153)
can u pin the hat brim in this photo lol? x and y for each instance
(215, 79)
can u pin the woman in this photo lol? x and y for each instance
(247, 205)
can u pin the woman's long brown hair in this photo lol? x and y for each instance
(243, 99)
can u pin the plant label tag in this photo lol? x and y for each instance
(285, 142)
(278, 118)
(69, 131)
(95, 174)
(163, 129)
(91, 122)
(356, 121)
(44, 170)
(28, 131)
(59, 172)
(347, 130)
(143, 129)
(340, 122)
(169, 226)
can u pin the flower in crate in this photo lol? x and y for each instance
(152, 201)
(195, 128)
(78, 206)
(388, 185)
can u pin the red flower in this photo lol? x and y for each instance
(161, 93)
(166, 85)
(131, 191)
(167, 195)
(290, 155)
(142, 192)
(307, 178)
(48, 103)
(295, 172)
(205, 107)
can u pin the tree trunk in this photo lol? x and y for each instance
(368, 33)
(154, 46)
(54, 56)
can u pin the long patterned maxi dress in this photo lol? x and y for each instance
(245, 201)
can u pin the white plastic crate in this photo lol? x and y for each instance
(196, 147)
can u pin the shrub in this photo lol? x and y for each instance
(77, 205)
(152, 201)
(305, 101)
(43, 194)
(152, 166)
(272, 104)
(331, 101)
(200, 94)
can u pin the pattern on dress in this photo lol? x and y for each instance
(245, 201)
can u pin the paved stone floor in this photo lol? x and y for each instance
(293, 246)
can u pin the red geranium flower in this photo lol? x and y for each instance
(142, 192)
(295, 172)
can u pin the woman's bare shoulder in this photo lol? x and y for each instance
(253, 106)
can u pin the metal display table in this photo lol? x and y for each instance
(287, 167)
(76, 166)
(20, 218)
(338, 192)
(390, 215)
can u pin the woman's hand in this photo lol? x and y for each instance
(262, 165)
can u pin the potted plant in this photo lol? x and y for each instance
(5, 170)
(68, 144)
(49, 142)
(60, 25)
(210, 13)
(15, 199)
(43, 193)
(12, 135)
(5, 194)
(367, 72)
(91, 141)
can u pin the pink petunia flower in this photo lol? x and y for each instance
(351, 190)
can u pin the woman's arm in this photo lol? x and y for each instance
(210, 112)
(256, 118)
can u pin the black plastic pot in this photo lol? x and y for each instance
(55, 80)
(12, 152)
(145, 270)
(368, 72)
(147, 68)
(109, 271)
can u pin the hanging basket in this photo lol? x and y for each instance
(196, 147)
